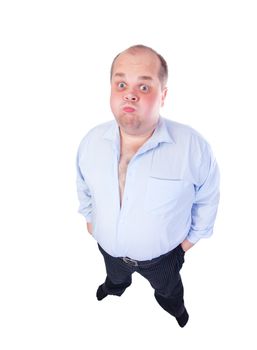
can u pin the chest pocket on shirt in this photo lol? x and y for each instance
(163, 192)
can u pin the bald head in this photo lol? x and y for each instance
(137, 49)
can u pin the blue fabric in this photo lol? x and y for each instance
(171, 191)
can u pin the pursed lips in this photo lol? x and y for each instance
(128, 109)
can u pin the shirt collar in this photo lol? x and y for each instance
(160, 134)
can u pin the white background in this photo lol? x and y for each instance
(54, 80)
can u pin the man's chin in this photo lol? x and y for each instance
(128, 122)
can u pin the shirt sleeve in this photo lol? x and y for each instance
(84, 196)
(204, 209)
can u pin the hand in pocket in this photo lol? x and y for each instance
(90, 227)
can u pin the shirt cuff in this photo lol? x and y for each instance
(87, 216)
(195, 236)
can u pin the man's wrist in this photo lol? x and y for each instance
(90, 227)
(186, 245)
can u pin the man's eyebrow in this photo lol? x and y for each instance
(119, 75)
(145, 77)
(141, 77)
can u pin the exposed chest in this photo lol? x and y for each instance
(125, 157)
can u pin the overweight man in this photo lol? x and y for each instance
(148, 186)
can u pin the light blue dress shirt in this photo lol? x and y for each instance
(171, 190)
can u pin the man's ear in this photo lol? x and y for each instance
(164, 93)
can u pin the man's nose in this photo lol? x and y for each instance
(130, 97)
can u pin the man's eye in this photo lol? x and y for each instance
(121, 85)
(144, 88)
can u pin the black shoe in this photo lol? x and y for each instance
(183, 318)
(101, 293)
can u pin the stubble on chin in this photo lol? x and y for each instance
(130, 122)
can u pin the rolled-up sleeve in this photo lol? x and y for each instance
(205, 206)
(84, 196)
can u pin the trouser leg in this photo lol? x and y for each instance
(165, 278)
(118, 275)
(173, 303)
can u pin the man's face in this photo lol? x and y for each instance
(136, 92)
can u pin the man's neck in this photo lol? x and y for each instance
(134, 140)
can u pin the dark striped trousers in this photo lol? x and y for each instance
(163, 273)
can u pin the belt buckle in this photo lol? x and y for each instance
(130, 261)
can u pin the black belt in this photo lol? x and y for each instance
(133, 262)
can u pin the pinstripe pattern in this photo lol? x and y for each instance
(162, 273)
